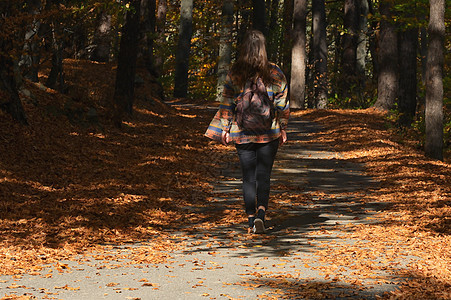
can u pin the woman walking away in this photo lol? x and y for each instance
(253, 114)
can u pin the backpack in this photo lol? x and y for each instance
(255, 111)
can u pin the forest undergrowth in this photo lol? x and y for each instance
(70, 182)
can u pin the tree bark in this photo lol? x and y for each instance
(225, 45)
(287, 37)
(148, 21)
(387, 84)
(297, 85)
(373, 44)
(55, 80)
(407, 96)
(259, 16)
(310, 74)
(335, 72)
(183, 49)
(362, 43)
(102, 38)
(126, 67)
(274, 33)
(31, 56)
(80, 43)
(434, 80)
(423, 52)
(320, 53)
(160, 32)
(9, 95)
(349, 78)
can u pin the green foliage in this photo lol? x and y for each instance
(204, 49)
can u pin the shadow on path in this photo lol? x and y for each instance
(312, 191)
(316, 189)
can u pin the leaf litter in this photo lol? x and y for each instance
(72, 187)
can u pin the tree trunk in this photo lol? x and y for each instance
(373, 43)
(287, 37)
(31, 56)
(297, 86)
(126, 66)
(102, 38)
(362, 44)
(274, 32)
(55, 79)
(80, 43)
(434, 80)
(320, 53)
(407, 96)
(146, 57)
(9, 95)
(387, 84)
(183, 49)
(349, 78)
(225, 45)
(423, 52)
(148, 9)
(310, 75)
(335, 73)
(11, 103)
(35, 55)
(160, 30)
(259, 16)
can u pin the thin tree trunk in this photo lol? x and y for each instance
(80, 43)
(387, 85)
(362, 44)
(183, 49)
(55, 79)
(310, 75)
(335, 73)
(407, 97)
(423, 52)
(225, 45)
(297, 85)
(349, 78)
(434, 81)
(102, 38)
(30, 58)
(287, 37)
(259, 16)
(373, 43)
(320, 53)
(160, 32)
(274, 32)
(126, 68)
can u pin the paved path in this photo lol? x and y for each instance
(225, 263)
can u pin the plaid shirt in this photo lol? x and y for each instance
(276, 91)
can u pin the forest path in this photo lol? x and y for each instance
(313, 207)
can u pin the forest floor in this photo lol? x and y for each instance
(74, 188)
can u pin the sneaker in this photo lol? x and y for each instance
(259, 226)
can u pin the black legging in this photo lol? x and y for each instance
(256, 161)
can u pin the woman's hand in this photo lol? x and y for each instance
(225, 137)
(283, 137)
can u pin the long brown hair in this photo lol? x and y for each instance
(252, 61)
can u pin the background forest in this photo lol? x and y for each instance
(390, 55)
